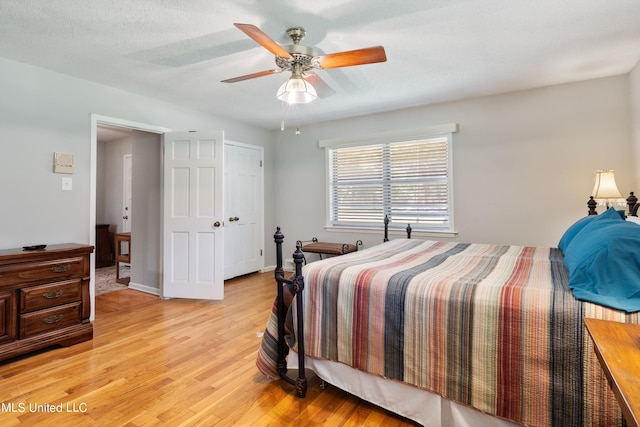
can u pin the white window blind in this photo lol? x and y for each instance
(409, 181)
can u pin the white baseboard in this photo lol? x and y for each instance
(144, 288)
(289, 265)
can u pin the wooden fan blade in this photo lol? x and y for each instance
(263, 40)
(353, 57)
(251, 76)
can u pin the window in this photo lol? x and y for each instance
(407, 179)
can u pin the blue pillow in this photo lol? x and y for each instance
(572, 231)
(577, 227)
(603, 261)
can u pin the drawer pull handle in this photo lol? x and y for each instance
(53, 319)
(61, 268)
(53, 295)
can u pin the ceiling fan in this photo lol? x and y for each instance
(300, 60)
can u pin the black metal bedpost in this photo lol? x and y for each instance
(408, 231)
(632, 201)
(592, 205)
(298, 286)
(386, 228)
(278, 237)
(297, 283)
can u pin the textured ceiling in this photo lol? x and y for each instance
(179, 51)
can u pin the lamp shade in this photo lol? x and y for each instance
(296, 90)
(605, 186)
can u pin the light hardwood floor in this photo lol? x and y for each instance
(176, 362)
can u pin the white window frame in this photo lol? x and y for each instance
(438, 131)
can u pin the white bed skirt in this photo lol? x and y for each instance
(428, 409)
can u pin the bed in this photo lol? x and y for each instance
(448, 333)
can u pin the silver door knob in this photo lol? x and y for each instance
(216, 224)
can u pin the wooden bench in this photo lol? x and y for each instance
(327, 248)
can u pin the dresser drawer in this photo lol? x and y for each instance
(8, 328)
(33, 272)
(50, 295)
(49, 319)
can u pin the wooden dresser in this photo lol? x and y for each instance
(44, 298)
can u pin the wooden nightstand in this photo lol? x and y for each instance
(123, 255)
(617, 346)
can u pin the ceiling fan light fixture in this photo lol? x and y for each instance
(296, 90)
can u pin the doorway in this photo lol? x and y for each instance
(113, 184)
(145, 140)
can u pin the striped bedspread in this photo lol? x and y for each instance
(492, 327)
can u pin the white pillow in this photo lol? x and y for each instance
(633, 219)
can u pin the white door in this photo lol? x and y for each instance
(244, 202)
(126, 203)
(193, 257)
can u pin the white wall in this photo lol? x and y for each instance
(524, 162)
(43, 112)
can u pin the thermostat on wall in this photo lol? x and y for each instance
(62, 163)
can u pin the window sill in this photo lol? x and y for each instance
(392, 232)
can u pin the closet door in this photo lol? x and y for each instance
(244, 209)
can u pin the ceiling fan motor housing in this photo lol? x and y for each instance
(302, 57)
(296, 34)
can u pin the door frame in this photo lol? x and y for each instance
(97, 119)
